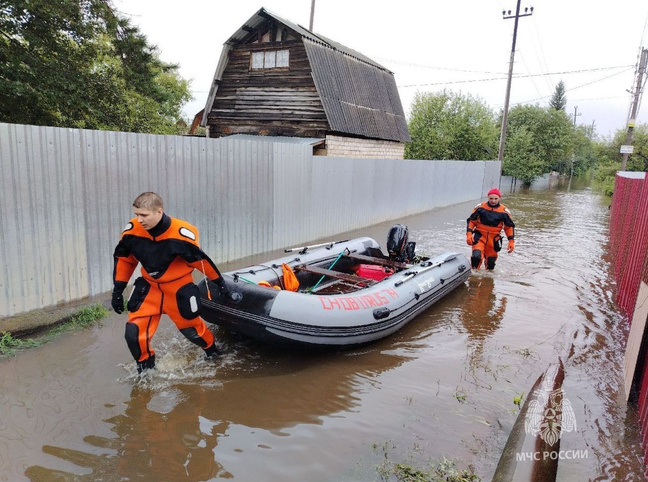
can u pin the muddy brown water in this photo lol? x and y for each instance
(74, 409)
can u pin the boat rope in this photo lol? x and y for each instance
(279, 280)
(238, 276)
(209, 296)
(265, 267)
(384, 312)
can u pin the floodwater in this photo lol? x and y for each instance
(74, 409)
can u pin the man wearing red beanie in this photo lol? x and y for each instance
(484, 230)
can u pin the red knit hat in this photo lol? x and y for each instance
(495, 191)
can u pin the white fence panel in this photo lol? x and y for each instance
(66, 194)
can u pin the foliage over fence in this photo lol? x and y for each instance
(72, 63)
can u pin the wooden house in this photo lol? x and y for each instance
(276, 78)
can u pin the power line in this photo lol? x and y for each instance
(582, 85)
(543, 60)
(527, 69)
(435, 67)
(522, 76)
(453, 69)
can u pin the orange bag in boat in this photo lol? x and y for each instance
(268, 285)
(290, 280)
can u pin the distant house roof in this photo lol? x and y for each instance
(359, 96)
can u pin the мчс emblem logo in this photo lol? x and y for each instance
(549, 414)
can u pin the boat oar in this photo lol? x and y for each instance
(303, 249)
(412, 274)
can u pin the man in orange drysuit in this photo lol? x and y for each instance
(168, 250)
(484, 228)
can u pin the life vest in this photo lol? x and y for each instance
(491, 219)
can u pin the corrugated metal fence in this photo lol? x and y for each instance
(66, 194)
(629, 250)
(629, 237)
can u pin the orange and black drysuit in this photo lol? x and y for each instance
(168, 253)
(484, 227)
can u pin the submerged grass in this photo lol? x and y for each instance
(443, 471)
(9, 345)
(439, 471)
(83, 318)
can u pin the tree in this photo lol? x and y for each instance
(558, 100)
(538, 141)
(75, 63)
(523, 160)
(608, 156)
(585, 156)
(451, 126)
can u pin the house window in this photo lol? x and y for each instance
(283, 58)
(270, 59)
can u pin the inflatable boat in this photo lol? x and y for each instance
(341, 293)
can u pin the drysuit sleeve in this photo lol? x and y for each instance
(509, 225)
(471, 222)
(125, 264)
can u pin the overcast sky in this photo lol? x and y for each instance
(593, 47)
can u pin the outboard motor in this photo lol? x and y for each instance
(398, 247)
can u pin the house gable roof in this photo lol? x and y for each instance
(359, 96)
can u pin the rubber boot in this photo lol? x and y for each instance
(212, 351)
(148, 364)
(490, 263)
(475, 259)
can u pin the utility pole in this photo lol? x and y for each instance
(506, 15)
(310, 25)
(635, 105)
(575, 114)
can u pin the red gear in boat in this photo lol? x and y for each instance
(168, 253)
(483, 232)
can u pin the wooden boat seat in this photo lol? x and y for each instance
(333, 274)
(381, 261)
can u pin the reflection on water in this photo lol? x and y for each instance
(444, 386)
(482, 309)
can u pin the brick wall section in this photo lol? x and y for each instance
(338, 146)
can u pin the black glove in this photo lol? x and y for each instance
(225, 291)
(117, 301)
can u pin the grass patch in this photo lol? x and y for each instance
(9, 345)
(443, 471)
(439, 471)
(83, 318)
